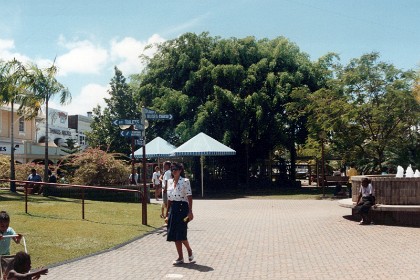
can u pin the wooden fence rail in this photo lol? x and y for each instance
(28, 184)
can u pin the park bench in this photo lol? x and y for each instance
(335, 180)
(339, 181)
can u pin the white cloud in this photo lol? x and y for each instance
(7, 52)
(83, 57)
(90, 96)
(125, 53)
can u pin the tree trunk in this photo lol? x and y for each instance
(46, 161)
(12, 149)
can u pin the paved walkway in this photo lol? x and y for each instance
(263, 239)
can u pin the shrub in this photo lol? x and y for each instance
(22, 171)
(94, 167)
(4, 167)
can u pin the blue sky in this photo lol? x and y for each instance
(89, 37)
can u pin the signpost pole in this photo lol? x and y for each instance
(144, 203)
(133, 172)
(145, 194)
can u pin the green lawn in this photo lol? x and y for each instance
(55, 232)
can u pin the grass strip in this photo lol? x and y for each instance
(55, 232)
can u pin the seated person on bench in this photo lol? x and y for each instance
(368, 200)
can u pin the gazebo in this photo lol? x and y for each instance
(202, 145)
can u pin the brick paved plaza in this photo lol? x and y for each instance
(263, 239)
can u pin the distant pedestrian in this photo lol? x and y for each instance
(351, 172)
(35, 177)
(52, 178)
(180, 211)
(156, 182)
(164, 179)
(136, 179)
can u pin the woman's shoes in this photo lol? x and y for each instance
(176, 262)
(181, 261)
(191, 258)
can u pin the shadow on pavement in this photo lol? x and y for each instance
(195, 266)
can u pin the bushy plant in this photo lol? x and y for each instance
(94, 167)
(4, 167)
(22, 171)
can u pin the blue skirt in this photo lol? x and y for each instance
(177, 228)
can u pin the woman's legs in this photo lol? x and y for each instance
(178, 245)
(187, 245)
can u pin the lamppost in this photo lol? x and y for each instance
(322, 136)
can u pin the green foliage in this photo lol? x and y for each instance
(22, 170)
(72, 148)
(369, 114)
(94, 167)
(121, 105)
(4, 167)
(235, 90)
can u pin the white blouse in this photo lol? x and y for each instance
(366, 191)
(180, 191)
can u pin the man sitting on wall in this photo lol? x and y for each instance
(35, 177)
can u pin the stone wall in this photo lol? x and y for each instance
(390, 190)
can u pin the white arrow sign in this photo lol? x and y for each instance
(126, 122)
(159, 116)
(148, 111)
(131, 133)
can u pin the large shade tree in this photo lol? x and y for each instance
(235, 90)
(369, 112)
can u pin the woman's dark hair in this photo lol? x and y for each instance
(21, 262)
(179, 166)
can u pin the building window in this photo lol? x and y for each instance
(81, 139)
(21, 124)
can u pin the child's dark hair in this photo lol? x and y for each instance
(20, 262)
(4, 217)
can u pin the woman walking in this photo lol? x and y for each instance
(180, 211)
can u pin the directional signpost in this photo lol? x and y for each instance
(131, 133)
(146, 114)
(139, 142)
(126, 122)
(154, 116)
(135, 131)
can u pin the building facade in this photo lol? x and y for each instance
(30, 135)
(81, 124)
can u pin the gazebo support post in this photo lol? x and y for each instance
(202, 176)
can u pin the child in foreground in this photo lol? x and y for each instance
(6, 230)
(22, 266)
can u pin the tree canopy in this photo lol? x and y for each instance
(235, 90)
(121, 105)
(266, 97)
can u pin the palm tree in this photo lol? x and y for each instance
(11, 88)
(44, 85)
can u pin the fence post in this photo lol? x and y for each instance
(26, 198)
(83, 203)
